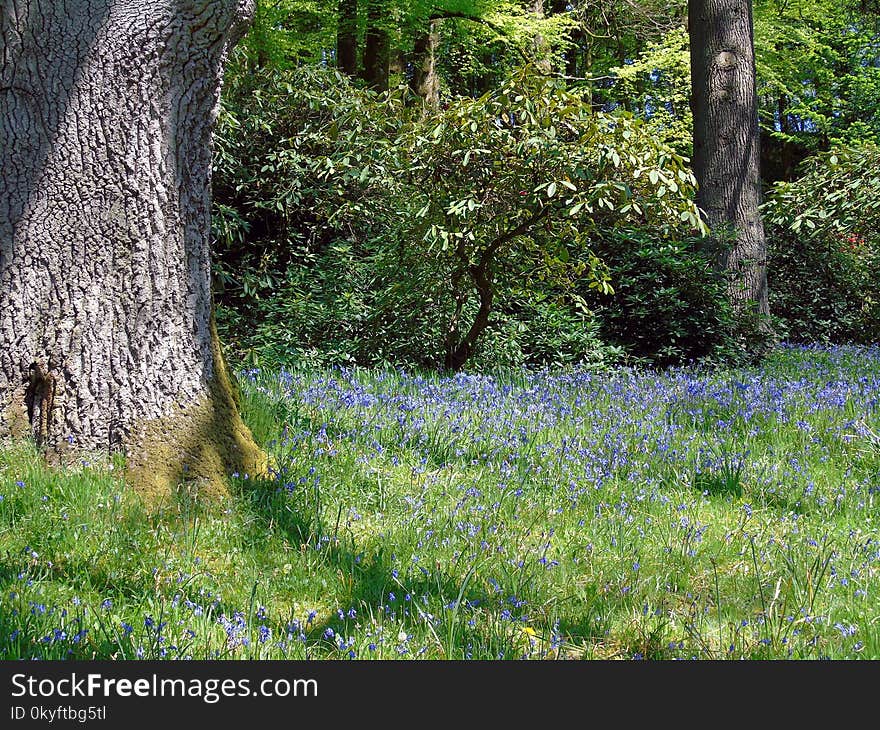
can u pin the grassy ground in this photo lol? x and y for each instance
(626, 514)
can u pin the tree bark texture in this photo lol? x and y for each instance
(377, 46)
(107, 110)
(726, 142)
(459, 351)
(542, 50)
(347, 37)
(425, 82)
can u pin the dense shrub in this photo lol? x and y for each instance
(348, 306)
(352, 229)
(270, 208)
(539, 329)
(669, 304)
(821, 290)
(823, 234)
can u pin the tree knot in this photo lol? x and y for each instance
(40, 399)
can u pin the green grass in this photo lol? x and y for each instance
(626, 514)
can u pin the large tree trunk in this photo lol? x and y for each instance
(377, 46)
(726, 142)
(346, 37)
(107, 110)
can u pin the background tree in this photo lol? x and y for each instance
(424, 81)
(376, 61)
(726, 143)
(657, 87)
(347, 37)
(106, 334)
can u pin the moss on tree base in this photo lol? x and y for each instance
(201, 445)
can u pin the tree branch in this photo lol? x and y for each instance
(493, 247)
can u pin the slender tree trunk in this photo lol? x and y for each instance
(726, 142)
(107, 110)
(787, 147)
(424, 82)
(542, 49)
(481, 274)
(460, 352)
(377, 46)
(259, 38)
(346, 37)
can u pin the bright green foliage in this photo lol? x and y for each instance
(838, 193)
(481, 47)
(818, 67)
(535, 150)
(824, 231)
(285, 33)
(657, 85)
(402, 236)
(608, 35)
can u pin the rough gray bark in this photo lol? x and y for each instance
(726, 142)
(107, 110)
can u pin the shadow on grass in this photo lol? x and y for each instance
(367, 578)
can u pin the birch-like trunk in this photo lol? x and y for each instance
(107, 109)
(726, 142)
(543, 61)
